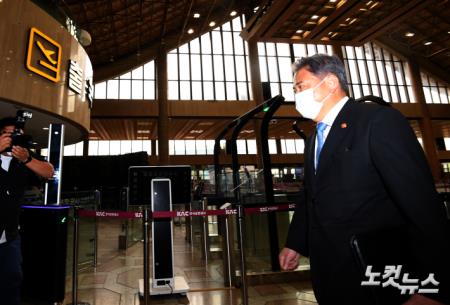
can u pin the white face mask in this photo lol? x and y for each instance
(306, 103)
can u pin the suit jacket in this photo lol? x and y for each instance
(372, 175)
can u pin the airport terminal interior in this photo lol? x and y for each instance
(194, 100)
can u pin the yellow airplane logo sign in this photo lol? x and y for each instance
(43, 55)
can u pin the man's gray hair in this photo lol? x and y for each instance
(322, 64)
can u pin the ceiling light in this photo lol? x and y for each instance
(142, 138)
(409, 34)
(190, 31)
(196, 131)
(189, 137)
(91, 131)
(233, 13)
(45, 128)
(143, 131)
(332, 1)
(448, 32)
(212, 23)
(314, 17)
(428, 43)
(299, 31)
(256, 9)
(196, 15)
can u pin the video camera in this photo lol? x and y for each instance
(17, 137)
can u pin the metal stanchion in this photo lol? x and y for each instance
(205, 231)
(240, 216)
(75, 259)
(145, 222)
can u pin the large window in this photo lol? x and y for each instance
(275, 62)
(138, 84)
(435, 91)
(211, 67)
(118, 147)
(372, 70)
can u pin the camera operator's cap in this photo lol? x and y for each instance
(43, 55)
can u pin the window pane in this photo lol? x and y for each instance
(284, 65)
(185, 91)
(218, 67)
(103, 148)
(273, 69)
(125, 89)
(272, 146)
(242, 92)
(197, 91)
(207, 67)
(136, 146)
(93, 148)
(263, 69)
(299, 50)
(114, 148)
(274, 89)
(206, 43)
(217, 42)
(195, 46)
(149, 70)
(172, 66)
(149, 90)
(147, 146)
(100, 90)
(137, 89)
(270, 48)
(227, 43)
(184, 67)
(287, 91)
(210, 147)
(237, 24)
(179, 147)
(137, 73)
(126, 75)
(196, 67)
(240, 68)
(290, 146)
(171, 147)
(231, 91)
(172, 88)
(238, 44)
(220, 91)
(125, 147)
(261, 49)
(299, 146)
(190, 147)
(113, 89)
(226, 26)
(241, 147)
(251, 146)
(200, 147)
(208, 90)
(69, 150)
(79, 148)
(229, 68)
(283, 49)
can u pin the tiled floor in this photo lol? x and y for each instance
(115, 280)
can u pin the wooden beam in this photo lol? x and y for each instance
(288, 11)
(263, 20)
(337, 17)
(392, 20)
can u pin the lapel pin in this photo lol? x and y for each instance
(344, 125)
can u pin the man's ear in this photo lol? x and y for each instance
(332, 82)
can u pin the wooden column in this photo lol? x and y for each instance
(163, 113)
(337, 50)
(257, 93)
(425, 123)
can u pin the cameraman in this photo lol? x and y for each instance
(18, 166)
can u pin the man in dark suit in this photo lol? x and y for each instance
(364, 172)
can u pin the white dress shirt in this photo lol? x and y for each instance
(329, 120)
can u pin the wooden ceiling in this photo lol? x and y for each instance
(127, 33)
(412, 28)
